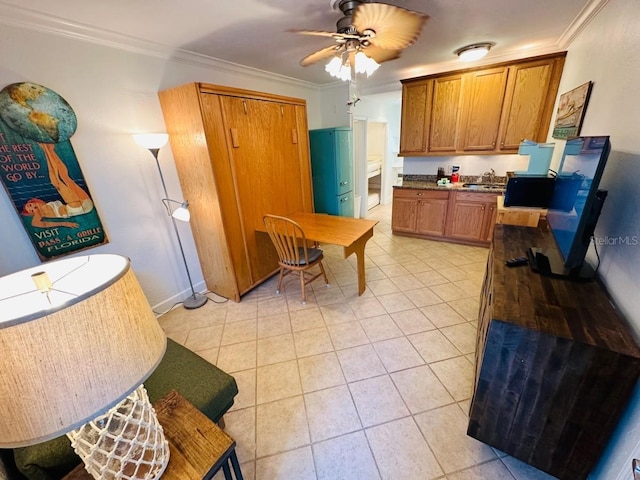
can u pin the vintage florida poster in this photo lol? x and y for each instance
(41, 174)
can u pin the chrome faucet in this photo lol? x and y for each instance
(491, 174)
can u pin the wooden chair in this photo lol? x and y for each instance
(293, 251)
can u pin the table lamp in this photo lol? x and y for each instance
(78, 338)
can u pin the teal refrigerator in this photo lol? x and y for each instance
(332, 170)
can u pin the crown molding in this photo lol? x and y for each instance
(588, 13)
(51, 25)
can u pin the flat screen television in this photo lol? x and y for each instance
(574, 209)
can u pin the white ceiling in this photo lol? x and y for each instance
(254, 32)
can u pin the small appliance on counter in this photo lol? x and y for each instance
(529, 191)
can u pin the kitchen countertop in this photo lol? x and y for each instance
(432, 185)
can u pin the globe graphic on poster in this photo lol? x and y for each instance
(37, 113)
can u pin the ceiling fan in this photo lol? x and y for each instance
(379, 30)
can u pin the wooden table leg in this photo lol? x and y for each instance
(357, 247)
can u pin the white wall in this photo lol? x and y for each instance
(605, 53)
(469, 164)
(114, 94)
(333, 109)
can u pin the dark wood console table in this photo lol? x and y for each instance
(555, 364)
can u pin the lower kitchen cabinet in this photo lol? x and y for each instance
(472, 216)
(418, 211)
(465, 217)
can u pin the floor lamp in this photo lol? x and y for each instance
(154, 142)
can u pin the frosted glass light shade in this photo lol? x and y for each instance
(341, 67)
(75, 351)
(151, 140)
(473, 52)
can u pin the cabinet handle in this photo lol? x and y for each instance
(244, 106)
(294, 136)
(234, 138)
(344, 183)
(344, 199)
(419, 194)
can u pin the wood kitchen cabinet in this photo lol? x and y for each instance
(484, 97)
(464, 217)
(414, 122)
(419, 211)
(555, 364)
(471, 216)
(236, 152)
(484, 110)
(529, 101)
(444, 113)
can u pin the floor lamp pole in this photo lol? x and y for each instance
(196, 300)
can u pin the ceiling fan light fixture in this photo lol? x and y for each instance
(365, 64)
(336, 68)
(475, 51)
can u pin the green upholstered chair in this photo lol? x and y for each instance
(207, 387)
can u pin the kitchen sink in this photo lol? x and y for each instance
(485, 186)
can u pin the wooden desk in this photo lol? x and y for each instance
(350, 233)
(198, 447)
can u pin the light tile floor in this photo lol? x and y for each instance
(355, 387)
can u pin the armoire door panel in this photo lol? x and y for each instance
(223, 195)
(253, 169)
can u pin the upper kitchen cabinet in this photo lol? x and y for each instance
(531, 94)
(413, 131)
(484, 110)
(444, 113)
(484, 96)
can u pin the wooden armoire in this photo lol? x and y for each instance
(239, 154)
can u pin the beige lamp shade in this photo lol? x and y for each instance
(71, 352)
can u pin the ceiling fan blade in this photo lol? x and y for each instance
(381, 55)
(337, 36)
(320, 55)
(394, 28)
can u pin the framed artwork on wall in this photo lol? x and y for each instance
(571, 111)
(41, 174)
